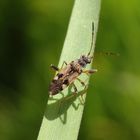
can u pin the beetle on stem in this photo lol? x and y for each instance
(67, 75)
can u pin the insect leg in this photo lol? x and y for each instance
(82, 83)
(64, 62)
(91, 38)
(89, 71)
(54, 67)
(75, 88)
(72, 95)
(75, 93)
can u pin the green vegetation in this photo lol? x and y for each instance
(64, 116)
(32, 35)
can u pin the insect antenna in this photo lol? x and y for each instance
(112, 54)
(92, 39)
(107, 53)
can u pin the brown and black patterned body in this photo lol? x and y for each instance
(67, 75)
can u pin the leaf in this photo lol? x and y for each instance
(64, 111)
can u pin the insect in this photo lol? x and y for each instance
(67, 75)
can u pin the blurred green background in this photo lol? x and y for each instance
(31, 38)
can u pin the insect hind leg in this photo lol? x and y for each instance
(75, 88)
(75, 93)
(82, 83)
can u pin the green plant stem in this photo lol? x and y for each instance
(63, 115)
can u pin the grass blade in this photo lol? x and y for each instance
(62, 117)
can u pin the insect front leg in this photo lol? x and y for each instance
(89, 71)
(64, 62)
(54, 67)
